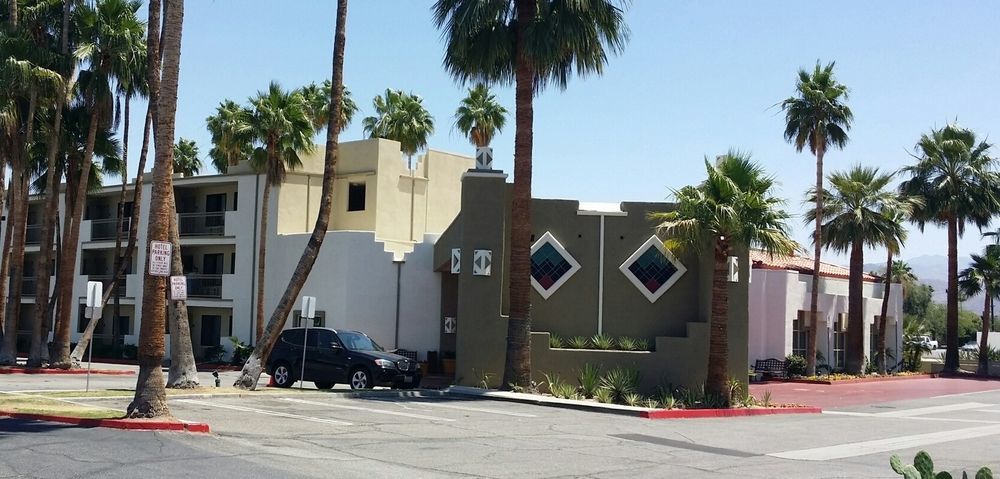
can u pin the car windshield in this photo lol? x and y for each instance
(358, 342)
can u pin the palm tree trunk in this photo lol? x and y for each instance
(262, 253)
(51, 211)
(413, 193)
(855, 353)
(183, 372)
(71, 243)
(120, 220)
(817, 251)
(252, 369)
(12, 14)
(15, 259)
(880, 356)
(983, 368)
(517, 366)
(8, 342)
(150, 397)
(718, 342)
(951, 326)
(84, 341)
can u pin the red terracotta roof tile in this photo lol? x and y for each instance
(802, 264)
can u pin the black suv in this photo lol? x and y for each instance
(332, 356)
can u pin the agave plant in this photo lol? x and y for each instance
(603, 395)
(590, 380)
(603, 341)
(620, 381)
(555, 341)
(632, 399)
(578, 342)
(626, 343)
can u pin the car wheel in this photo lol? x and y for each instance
(283, 375)
(360, 379)
(323, 384)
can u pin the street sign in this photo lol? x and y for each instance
(178, 288)
(159, 258)
(95, 297)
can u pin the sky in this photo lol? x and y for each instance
(696, 79)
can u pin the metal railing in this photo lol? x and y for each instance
(202, 224)
(33, 234)
(204, 285)
(104, 229)
(106, 280)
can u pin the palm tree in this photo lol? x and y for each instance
(480, 116)
(996, 241)
(230, 130)
(280, 127)
(955, 178)
(186, 159)
(530, 44)
(855, 216)
(403, 118)
(252, 369)
(982, 277)
(111, 44)
(731, 210)
(894, 270)
(817, 118)
(318, 101)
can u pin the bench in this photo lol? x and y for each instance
(771, 368)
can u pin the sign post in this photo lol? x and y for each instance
(307, 314)
(160, 258)
(95, 295)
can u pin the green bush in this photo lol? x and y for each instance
(632, 399)
(923, 468)
(796, 365)
(626, 343)
(590, 380)
(642, 344)
(620, 381)
(578, 342)
(241, 352)
(603, 341)
(555, 341)
(603, 395)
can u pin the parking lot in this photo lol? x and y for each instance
(400, 434)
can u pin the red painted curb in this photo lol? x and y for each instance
(124, 424)
(716, 413)
(105, 372)
(825, 382)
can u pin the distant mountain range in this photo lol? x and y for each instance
(933, 270)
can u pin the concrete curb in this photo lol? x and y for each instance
(641, 412)
(123, 424)
(104, 372)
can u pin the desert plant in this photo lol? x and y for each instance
(652, 403)
(603, 395)
(736, 393)
(669, 402)
(620, 381)
(690, 397)
(632, 399)
(240, 351)
(590, 380)
(484, 378)
(765, 399)
(626, 343)
(923, 468)
(214, 354)
(795, 364)
(602, 341)
(642, 344)
(560, 389)
(578, 342)
(555, 341)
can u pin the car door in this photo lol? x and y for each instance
(340, 359)
(327, 354)
(315, 371)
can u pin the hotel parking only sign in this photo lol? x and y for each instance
(159, 258)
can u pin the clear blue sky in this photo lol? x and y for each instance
(697, 78)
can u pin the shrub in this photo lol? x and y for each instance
(602, 341)
(669, 402)
(555, 341)
(603, 395)
(560, 389)
(241, 352)
(796, 365)
(578, 342)
(642, 344)
(620, 381)
(632, 399)
(626, 343)
(652, 403)
(590, 380)
(923, 466)
(214, 354)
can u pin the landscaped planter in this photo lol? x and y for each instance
(871, 379)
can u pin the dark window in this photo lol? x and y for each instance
(188, 263)
(548, 265)
(127, 209)
(293, 337)
(313, 340)
(215, 204)
(212, 263)
(211, 330)
(653, 269)
(232, 263)
(356, 197)
(124, 327)
(230, 326)
(236, 197)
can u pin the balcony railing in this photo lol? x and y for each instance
(33, 234)
(104, 229)
(204, 285)
(29, 286)
(106, 280)
(202, 224)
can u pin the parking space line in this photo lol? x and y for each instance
(865, 448)
(265, 412)
(932, 409)
(375, 411)
(475, 409)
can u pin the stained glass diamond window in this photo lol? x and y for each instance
(652, 269)
(551, 265)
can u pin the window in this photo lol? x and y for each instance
(799, 336)
(188, 264)
(839, 341)
(211, 330)
(232, 263)
(356, 197)
(124, 326)
(215, 203)
(318, 322)
(652, 269)
(551, 265)
(293, 337)
(236, 198)
(212, 263)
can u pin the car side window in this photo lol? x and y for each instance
(313, 340)
(326, 338)
(294, 337)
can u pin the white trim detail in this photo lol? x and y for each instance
(652, 242)
(574, 265)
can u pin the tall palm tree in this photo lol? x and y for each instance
(855, 216)
(403, 118)
(252, 369)
(230, 130)
(956, 179)
(530, 44)
(186, 159)
(280, 128)
(982, 277)
(318, 101)
(817, 118)
(894, 270)
(732, 210)
(480, 116)
(996, 241)
(111, 37)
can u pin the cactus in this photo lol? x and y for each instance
(923, 468)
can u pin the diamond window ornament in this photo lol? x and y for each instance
(652, 269)
(551, 265)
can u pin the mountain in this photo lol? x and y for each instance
(933, 270)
